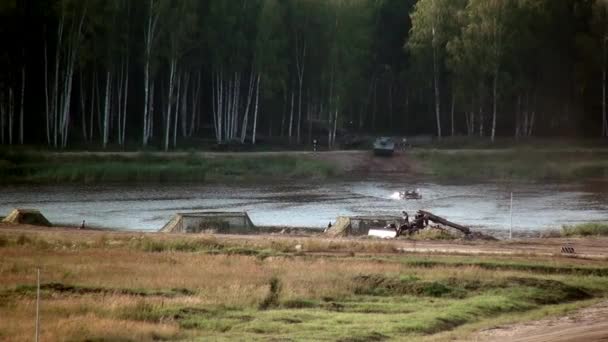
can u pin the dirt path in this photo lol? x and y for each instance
(589, 325)
(585, 248)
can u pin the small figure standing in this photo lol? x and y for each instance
(82, 225)
(328, 227)
(406, 217)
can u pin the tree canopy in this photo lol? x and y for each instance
(171, 72)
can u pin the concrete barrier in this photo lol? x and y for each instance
(210, 222)
(360, 225)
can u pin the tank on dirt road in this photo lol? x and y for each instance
(384, 146)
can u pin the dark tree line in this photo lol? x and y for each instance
(160, 72)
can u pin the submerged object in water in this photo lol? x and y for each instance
(410, 194)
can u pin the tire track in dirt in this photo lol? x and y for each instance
(589, 325)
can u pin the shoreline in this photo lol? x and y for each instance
(201, 167)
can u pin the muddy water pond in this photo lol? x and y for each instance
(485, 206)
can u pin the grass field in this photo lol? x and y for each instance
(514, 163)
(128, 286)
(42, 167)
(586, 229)
(526, 163)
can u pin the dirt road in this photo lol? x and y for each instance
(589, 325)
(586, 249)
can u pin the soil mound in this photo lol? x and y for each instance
(341, 228)
(27, 216)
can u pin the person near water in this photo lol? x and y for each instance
(328, 227)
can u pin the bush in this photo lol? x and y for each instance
(586, 229)
(272, 299)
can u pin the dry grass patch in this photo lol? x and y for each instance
(118, 286)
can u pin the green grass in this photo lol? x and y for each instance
(366, 317)
(38, 167)
(514, 163)
(586, 229)
(506, 265)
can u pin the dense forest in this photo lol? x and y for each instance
(163, 72)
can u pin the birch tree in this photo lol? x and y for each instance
(433, 26)
(149, 59)
(177, 37)
(72, 15)
(271, 48)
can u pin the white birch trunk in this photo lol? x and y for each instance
(106, 110)
(149, 35)
(172, 66)
(291, 116)
(73, 47)
(125, 103)
(235, 108)
(495, 103)
(54, 105)
(246, 115)
(93, 105)
(195, 104)
(177, 108)
(217, 104)
(118, 105)
(255, 113)
(220, 104)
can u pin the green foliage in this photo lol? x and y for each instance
(37, 168)
(523, 164)
(272, 298)
(586, 229)
(545, 57)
